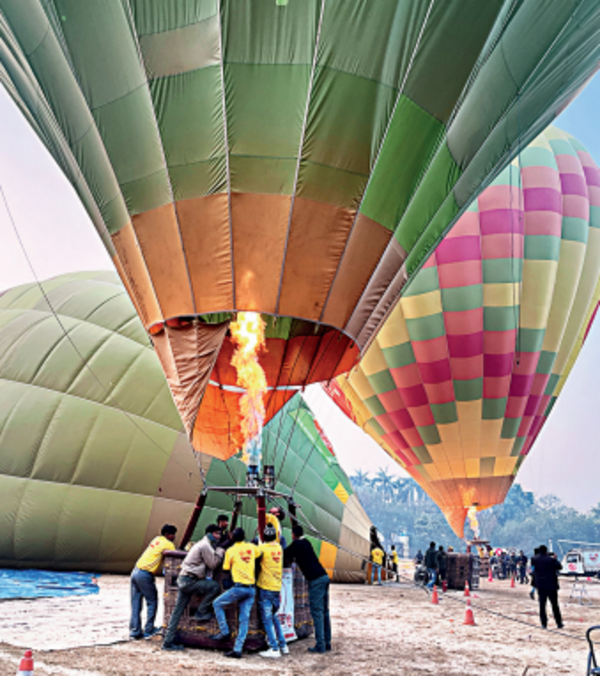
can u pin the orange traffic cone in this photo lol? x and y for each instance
(26, 665)
(512, 582)
(490, 578)
(467, 590)
(469, 619)
(434, 596)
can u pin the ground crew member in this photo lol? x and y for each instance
(143, 585)
(303, 554)
(269, 592)
(274, 518)
(239, 560)
(395, 563)
(431, 563)
(203, 557)
(377, 559)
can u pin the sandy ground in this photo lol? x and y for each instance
(393, 629)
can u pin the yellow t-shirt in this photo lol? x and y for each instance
(377, 556)
(395, 557)
(274, 521)
(239, 559)
(151, 559)
(271, 565)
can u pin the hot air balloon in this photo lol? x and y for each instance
(462, 376)
(88, 477)
(296, 159)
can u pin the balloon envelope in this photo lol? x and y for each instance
(296, 159)
(93, 463)
(459, 381)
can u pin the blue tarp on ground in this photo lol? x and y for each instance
(35, 584)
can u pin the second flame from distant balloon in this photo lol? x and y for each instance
(473, 522)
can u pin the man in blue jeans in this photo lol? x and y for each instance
(269, 591)
(239, 560)
(143, 585)
(303, 554)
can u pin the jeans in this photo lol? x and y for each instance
(375, 567)
(143, 586)
(318, 599)
(268, 603)
(432, 577)
(189, 585)
(244, 597)
(543, 596)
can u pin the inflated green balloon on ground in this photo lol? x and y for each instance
(300, 159)
(93, 456)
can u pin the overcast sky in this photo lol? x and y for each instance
(58, 237)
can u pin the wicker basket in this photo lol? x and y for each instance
(194, 633)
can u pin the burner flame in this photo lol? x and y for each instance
(248, 335)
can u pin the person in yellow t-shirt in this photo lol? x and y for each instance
(143, 585)
(377, 559)
(275, 518)
(269, 591)
(240, 561)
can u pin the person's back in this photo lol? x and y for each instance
(240, 561)
(143, 586)
(302, 553)
(419, 557)
(546, 582)
(269, 588)
(431, 558)
(546, 571)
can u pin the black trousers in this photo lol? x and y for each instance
(552, 595)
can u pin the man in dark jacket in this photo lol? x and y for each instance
(431, 563)
(301, 552)
(546, 582)
(442, 560)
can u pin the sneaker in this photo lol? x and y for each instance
(560, 626)
(206, 617)
(328, 647)
(136, 637)
(172, 646)
(270, 653)
(284, 650)
(219, 636)
(314, 649)
(155, 632)
(237, 654)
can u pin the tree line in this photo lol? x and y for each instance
(398, 505)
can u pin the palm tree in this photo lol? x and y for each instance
(384, 483)
(360, 480)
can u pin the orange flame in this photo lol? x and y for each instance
(248, 335)
(473, 522)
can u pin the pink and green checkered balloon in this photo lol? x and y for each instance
(460, 379)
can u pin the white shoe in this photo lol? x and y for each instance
(270, 653)
(285, 650)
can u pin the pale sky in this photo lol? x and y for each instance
(59, 237)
